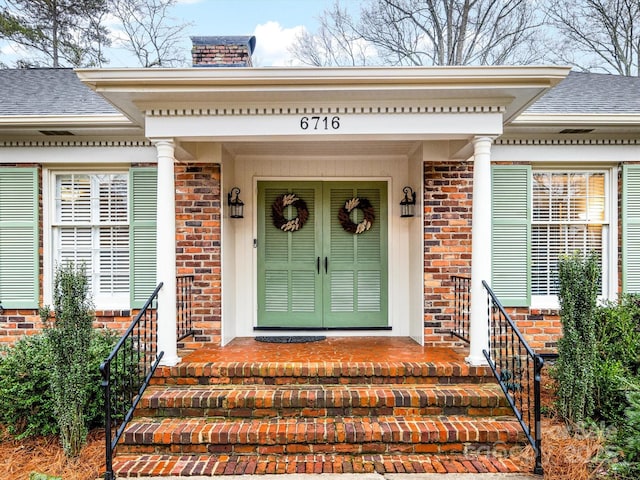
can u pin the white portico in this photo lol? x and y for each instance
(367, 132)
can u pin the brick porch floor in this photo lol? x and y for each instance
(348, 404)
(332, 349)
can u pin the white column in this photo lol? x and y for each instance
(480, 250)
(166, 253)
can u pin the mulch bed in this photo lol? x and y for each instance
(44, 455)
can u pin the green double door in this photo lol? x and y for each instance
(321, 275)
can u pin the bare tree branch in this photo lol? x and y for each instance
(427, 32)
(151, 34)
(605, 34)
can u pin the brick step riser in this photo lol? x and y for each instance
(314, 412)
(308, 380)
(208, 465)
(464, 448)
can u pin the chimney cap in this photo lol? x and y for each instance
(248, 40)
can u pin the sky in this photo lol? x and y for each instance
(275, 23)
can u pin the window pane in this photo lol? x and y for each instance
(112, 197)
(87, 207)
(571, 220)
(541, 196)
(577, 197)
(74, 245)
(559, 199)
(113, 264)
(596, 199)
(73, 199)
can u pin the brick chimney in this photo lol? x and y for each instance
(232, 51)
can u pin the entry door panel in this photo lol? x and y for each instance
(321, 275)
(355, 284)
(289, 286)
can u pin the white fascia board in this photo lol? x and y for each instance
(60, 121)
(576, 119)
(79, 155)
(293, 77)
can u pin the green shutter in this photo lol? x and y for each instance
(631, 228)
(511, 234)
(143, 193)
(19, 255)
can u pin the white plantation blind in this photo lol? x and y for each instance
(91, 227)
(569, 215)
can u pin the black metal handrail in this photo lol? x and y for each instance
(462, 304)
(126, 374)
(184, 306)
(517, 368)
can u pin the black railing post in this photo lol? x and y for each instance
(461, 299)
(131, 355)
(184, 306)
(514, 365)
(105, 370)
(539, 363)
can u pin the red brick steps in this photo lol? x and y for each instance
(237, 417)
(207, 465)
(355, 435)
(321, 373)
(330, 400)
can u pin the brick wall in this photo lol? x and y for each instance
(447, 242)
(198, 236)
(222, 51)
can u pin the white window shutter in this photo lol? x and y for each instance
(511, 234)
(19, 256)
(631, 228)
(143, 181)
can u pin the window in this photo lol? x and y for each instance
(569, 214)
(539, 215)
(91, 226)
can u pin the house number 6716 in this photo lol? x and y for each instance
(320, 123)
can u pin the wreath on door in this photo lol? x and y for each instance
(277, 212)
(344, 215)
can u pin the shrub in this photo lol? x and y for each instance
(69, 337)
(628, 441)
(579, 284)
(618, 350)
(26, 405)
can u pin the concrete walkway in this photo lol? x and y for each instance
(366, 476)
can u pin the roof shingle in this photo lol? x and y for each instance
(591, 93)
(48, 91)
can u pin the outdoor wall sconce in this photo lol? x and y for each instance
(236, 206)
(408, 203)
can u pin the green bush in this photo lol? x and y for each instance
(69, 338)
(579, 285)
(627, 442)
(26, 405)
(618, 350)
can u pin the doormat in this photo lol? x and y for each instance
(290, 339)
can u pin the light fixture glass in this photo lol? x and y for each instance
(236, 206)
(408, 203)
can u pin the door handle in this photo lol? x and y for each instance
(326, 264)
(318, 265)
